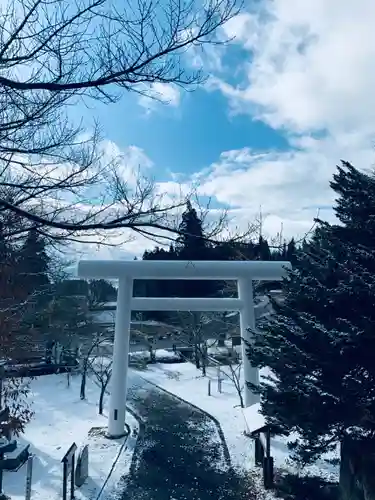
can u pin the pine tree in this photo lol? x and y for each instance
(291, 251)
(33, 264)
(319, 344)
(264, 251)
(156, 288)
(192, 245)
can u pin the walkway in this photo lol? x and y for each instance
(179, 454)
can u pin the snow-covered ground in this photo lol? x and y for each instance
(60, 419)
(186, 381)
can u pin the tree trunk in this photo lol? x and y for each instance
(241, 399)
(239, 392)
(357, 481)
(101, 398)
(83, 385)
(204, 360)
(83, 379)
(203, 367)
(196, 357)
(152, 355)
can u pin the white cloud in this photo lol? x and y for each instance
(310, 68)
(160, 93)
(310, 64)
(287, 187)
(123, 246)
(129, 162)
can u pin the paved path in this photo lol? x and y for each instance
(179, 454)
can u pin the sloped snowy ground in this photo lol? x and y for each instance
(186, 381)
(180, 454)
(61, 418)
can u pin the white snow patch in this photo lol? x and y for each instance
(60, 419)
(253, 418)
(160, 354)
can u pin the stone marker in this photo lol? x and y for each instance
(82, 468)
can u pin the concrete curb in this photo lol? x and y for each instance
(208, 415)
(114, 463)
(142, 426)
(124, 444)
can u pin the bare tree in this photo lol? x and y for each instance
(101, 368)
(232, 370)
(150, 342)
(89, 357)
(58, 53)
(193, 328)
(194, 333)
(69, 323)
(231, 367)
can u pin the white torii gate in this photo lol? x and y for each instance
(244, 272)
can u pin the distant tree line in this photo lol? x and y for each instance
(193, 244)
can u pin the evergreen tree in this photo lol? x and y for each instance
(101, 291)
(291, 252)
(72, 288)
(264, 252)
(192, 245)
(284, 252)
(156, 288)
(319, 344)
(33, 264)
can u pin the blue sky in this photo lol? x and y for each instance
(284, 102)
(184, 139)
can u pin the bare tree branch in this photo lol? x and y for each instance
(55, 54)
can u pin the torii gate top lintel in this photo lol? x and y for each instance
(182, 269)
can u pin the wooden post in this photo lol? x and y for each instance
(268, 442)
(219, 385)
(2, 376)
(72, 477)
(1, 475)
(68, 462)
(268, 472)
(209, 387)
(29, 475)
(259, 452)
(268, 462)
(65, 468)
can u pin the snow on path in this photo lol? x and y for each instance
(179, 454)
(186, 381)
